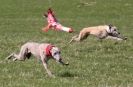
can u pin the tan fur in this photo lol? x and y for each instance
(100, 32)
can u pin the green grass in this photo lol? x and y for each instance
(92, 63)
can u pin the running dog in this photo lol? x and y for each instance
(42, 51)
(101, 32)
(53, 23)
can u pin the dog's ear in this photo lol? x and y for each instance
(50, 10)
(45, 15)
(110, 26)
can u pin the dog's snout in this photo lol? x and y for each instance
(60, 59)
(118, 32)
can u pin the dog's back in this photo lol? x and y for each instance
(32, 47)
(94, 30)
(35, 48)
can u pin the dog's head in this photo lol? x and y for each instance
(56, 54)
(113, 31)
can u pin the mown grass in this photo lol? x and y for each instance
(92, 63)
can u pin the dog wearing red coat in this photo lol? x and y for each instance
(53, 23)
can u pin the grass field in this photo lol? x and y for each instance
(92, 63)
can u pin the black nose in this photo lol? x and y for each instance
(60, 59)
(118, 32)
(125, 38)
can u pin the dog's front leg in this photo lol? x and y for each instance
(44, 61)
(115, 38)
(46, 67)
(122, 37)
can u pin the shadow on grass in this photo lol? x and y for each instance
(68, 74)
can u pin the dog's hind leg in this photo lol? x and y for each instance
(22, 54)
(10, 56)
(13, 56)
(81, 37)
(78, 38)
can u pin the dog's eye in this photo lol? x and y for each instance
(114, 29)
(55, 53)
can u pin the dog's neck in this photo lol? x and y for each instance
(108, 29)
(48, 50)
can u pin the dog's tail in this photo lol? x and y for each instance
(73, 38)
(70, 41)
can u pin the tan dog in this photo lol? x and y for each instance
(42, 51)
(101, 32)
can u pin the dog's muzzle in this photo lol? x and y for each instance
(60, 61)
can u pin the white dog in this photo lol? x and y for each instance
(43, 51)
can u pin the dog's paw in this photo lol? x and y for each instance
(52, 76)
(14, 59)
(125, 38)
(67, 64)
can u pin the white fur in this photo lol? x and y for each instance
(39, 51)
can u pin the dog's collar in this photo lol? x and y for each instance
(48, 50)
